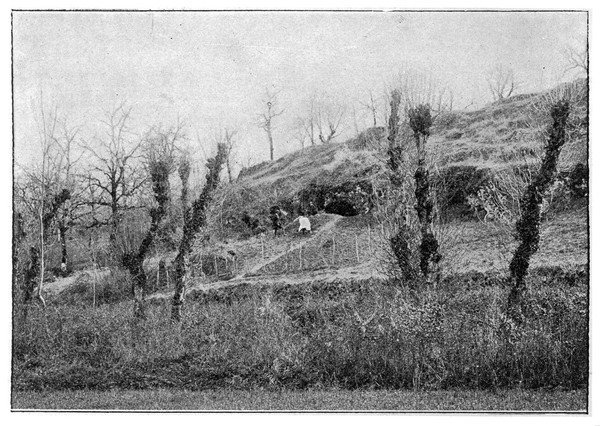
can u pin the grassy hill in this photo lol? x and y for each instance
(500, 135)
(497, 137)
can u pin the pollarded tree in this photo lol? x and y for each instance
(402, 240)
(414, 247)
(159, 156)
(420, 122)
(196, 220)
(560, 105)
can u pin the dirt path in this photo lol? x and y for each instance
(322, 230)
(322, 276)
(60, 284)
(252, 275)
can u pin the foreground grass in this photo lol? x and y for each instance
(334, 400)
(359, 335)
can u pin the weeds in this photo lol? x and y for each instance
(347, 335)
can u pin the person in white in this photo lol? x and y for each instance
(304, 224)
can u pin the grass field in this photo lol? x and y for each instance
(329, 400)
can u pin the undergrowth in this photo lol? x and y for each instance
(347, 335)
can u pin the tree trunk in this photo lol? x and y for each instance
(420, 122)
(31, 277)
(192, 227)
(528, 225)
(163, 275)
(159, 173)
(63, 248)
(270, 134)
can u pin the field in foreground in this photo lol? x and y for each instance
(334, 400)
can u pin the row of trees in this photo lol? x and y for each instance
(126, 174)
(324, 118)
(410, 200)
(93, 185)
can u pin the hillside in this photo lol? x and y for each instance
(349, 243)
(490, 139)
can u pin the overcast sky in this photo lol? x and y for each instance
(211, 69)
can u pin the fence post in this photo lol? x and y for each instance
(356, 245)
(370, 247)
(262, 245)
(300, 252)
(162, 275)
(333, 249)
(216, 266)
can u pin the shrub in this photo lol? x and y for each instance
(454, 185)
(106, 287)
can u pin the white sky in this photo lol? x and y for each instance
(211, 68)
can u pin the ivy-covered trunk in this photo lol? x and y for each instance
(32, 276)
(64, 255)
(134, 262)
(528, 224)
(192, 226)
(400, 242)
(420, 122)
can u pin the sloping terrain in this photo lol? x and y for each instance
(352, 246)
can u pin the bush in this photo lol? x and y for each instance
(109, 286)
(455, 184)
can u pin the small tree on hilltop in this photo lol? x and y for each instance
(265, 120)
(501, 82)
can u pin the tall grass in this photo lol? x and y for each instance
(358, 335)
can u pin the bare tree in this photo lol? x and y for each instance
(73, 211)
(501, 82)
(226, 136)
(329, 119)
(372, 105)
(271, 111)
(299, 133)
(308, 122)
(42, 196)
(117, 173)
(577, 60)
